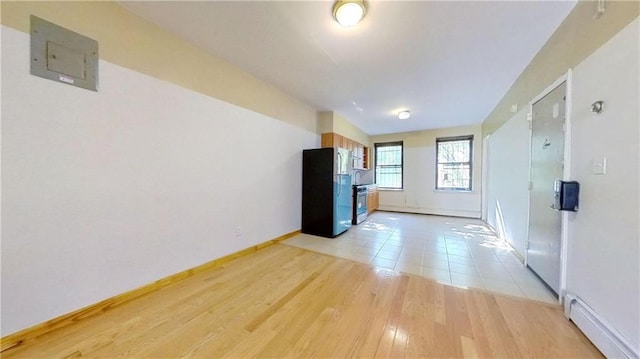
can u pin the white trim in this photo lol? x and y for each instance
(454, 191)
(432, 211)
(608, 340)
(564, 230)
(484, 189)
(549, 88)
(526, 245)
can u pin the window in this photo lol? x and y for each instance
(389, 165)
(453, 168)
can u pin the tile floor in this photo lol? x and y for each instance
(455, 251)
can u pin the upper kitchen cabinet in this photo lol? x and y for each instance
(326, 140)
(360, 151)
(365, 158)
(332, 140)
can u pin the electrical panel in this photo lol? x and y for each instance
(62, 55)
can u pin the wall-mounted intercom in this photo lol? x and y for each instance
(566, 195)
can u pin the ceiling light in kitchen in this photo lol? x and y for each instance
(403, 115)
(348, 13)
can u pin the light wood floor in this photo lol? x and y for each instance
(288, 302)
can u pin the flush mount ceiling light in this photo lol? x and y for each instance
(403, 115)
(348, 13)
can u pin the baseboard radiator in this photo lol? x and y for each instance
(609, 341)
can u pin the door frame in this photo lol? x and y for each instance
(566, 174)
(484, 192)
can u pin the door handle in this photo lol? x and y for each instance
(339, 178)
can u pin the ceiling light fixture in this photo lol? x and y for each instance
(403, 115)
(348, 13)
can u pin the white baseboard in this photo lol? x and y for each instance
(609, 341)
(437, 212)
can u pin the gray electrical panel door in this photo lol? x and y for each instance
(62, 55)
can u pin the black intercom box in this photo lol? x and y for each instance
(566, 195)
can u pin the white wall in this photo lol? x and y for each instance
(508, 180)
(104, 192)
(419, 194)
(603, 237)
(603, 246)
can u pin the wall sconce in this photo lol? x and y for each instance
(348, 13)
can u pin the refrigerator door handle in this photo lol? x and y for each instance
(339, 180)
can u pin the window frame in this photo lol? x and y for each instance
(471, 152)
(375, 165)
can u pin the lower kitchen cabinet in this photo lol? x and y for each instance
(372, 199)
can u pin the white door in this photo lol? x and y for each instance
(547, 157)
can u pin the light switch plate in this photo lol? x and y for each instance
(62, 55)
(599, 166)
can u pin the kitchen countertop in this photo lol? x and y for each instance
(368, 185)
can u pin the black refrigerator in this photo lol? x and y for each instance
(326, 191)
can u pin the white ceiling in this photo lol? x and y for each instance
(448, 62)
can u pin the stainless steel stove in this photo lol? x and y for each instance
(359, 204)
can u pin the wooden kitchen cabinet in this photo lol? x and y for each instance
(372, 199)
(365, 157)
(326, 140)
(348, 144)
(345, 143)
(331, 139)
(360, 151)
